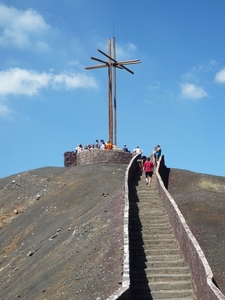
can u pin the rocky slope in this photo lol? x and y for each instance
(204, 211)
(61, 229)
(61, 233)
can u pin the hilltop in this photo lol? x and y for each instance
(62, 229)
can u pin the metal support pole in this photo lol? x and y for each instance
(114, 94)
(110, 93)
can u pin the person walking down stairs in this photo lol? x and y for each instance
(148, 169)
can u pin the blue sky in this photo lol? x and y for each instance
(176, 97)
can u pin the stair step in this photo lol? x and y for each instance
(163, 278)
(163, 237)
(148, 205)
(141, 264)
(152, 231)
(148, 252)
(158, 242)
(153, 246)
(175, 286)
(152, 270)
(153, 216)
(182, 294)
(148, 261)
(155, 227)
(151, 258)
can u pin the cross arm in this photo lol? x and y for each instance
(96, 67)
(129, 62)
(116, 61)
(102, 61)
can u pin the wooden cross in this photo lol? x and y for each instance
(115, 64)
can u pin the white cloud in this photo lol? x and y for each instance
(21, 27)
(220, 76)
(70, 80)
(22, 82)
(192, 91)
(28, 82)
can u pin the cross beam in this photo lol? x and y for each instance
(112, 62)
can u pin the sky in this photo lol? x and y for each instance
(49, 102)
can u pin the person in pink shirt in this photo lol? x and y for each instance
(148, 168)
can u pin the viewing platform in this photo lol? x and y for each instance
(93, 156)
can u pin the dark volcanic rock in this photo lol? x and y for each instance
(204, 212)
(66, 239)
(61, 230)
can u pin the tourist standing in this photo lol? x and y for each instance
(158, 152)
(125, 148)
(96, 145)
(102, 145)
(109, 146)
(137, 150)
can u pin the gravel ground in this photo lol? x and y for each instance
(62, 232)
(204, 211)
(62, 229)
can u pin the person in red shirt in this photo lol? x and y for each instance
(148, 168)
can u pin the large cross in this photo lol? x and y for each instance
(112, 62)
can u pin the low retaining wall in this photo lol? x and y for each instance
(70, 159)
(96, 156)
(108, 156)
(123, 293)
(202, 277)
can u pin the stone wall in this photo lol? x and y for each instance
(96, 156)
(123, 293)
(202, 277)
(70, 159)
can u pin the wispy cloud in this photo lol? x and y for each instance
(192, 91)
(191, 80)
(196, 72)
(18, 81)
(4, 110)
(154, 86)
(148, 101)
(20, 28)
(220, 76)
(123, 51)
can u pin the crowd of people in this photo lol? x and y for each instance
(109, 146)
(102, 146)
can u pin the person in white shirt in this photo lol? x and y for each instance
(79, 148)
(102, 145)
(138, 150)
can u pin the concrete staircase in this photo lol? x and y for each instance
(157, 268)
